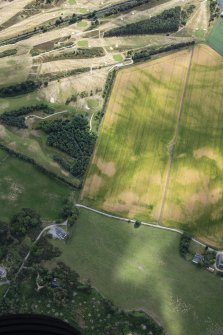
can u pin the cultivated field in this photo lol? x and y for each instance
(173, 100)
(141, 269)
(129, 168)
(196, 183)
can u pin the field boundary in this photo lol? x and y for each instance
(147, 224)
(38, 166)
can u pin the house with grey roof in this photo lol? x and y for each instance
(58, 232)
(198, 258)
(219, 261)
(3, 272)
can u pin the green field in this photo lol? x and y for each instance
(141, 268)
(83, 43)
(19, 101)
(22, 185)
(118, 58)
(33, 144)
(82, 24)
(215, 38)
(83, 10)
(177, 100)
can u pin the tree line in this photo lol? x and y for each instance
(106, 94)
(147, 53)
(118, 8)
(16, 118)
(77, 54)
(41, 168)
(9, 52)
(166, 22)
(74, 138)
(63, 74)
(21, 88)
(214, 9)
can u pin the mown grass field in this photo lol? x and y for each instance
(215, 38)
(128, 174)
(22, 185)
(141, 269)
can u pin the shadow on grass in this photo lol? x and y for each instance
(140, 269)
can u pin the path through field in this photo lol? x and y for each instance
(171, 176)
(172, 146)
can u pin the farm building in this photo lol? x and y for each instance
(198, 258)
(219, 261)
(58, 232)
(2, 272)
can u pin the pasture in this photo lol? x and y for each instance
(215, 38)
(22, 185)
(131, 172)
(141, 268)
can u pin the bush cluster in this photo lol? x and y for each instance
(185, 244)
(73, 137)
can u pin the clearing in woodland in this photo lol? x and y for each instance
(172, 100)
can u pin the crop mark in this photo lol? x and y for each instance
(172, 145)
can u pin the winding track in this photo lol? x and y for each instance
(45, 117)
(34, 243)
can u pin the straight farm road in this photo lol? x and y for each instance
(172, 145)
